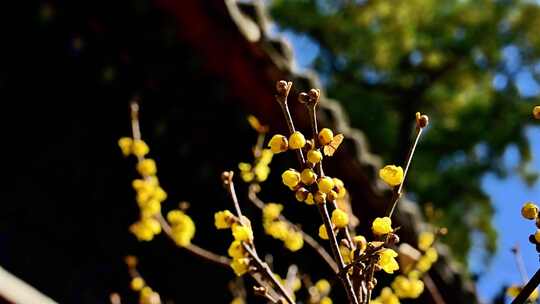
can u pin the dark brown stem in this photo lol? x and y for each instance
(252, 195)
(528, 289)
(267, 272)
(194, 249)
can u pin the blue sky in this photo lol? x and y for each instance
(507, 194)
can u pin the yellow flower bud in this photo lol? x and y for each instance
(392, 175)
(147, 167)
(294, 241)
(425, 240)
(125, 144)
(278, 143)
(223, 219)
(301, 194)
(326, 300)
(309, 200)
(323, 286)
(277, 229)
(432, 255)
(529, 211)
(290, 178)
(340, 218)
(137, 283)
(297, 141)
(382, 225)
(326, 184)
(242, 233)
(314, 156)
(319, 197)
(140, 148)
(325, 136)
(536, 112)
(361, 243)
(271, 211)
(537, 236)
(323, 233)
(308, 177)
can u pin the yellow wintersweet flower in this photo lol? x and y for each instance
(537, 235)
(142, 231)
(242, 233)
(529, 211)
(325, 136)
(536, 112)
(271, 211)
(340, 186)
(314, 156)
(294, 241)
(147, 167)
(236, 250)
(290, 178)
(238, 300)
(407, 287)
(432, 255)
(278, 229)
(392, 175)
(323, 286)
(309, 200)
(323, 234)
(387, 260)
(425, 240)
(382, 225)
(423, 264)
(182, 227)
(514, 290)
(261, 172)
(361, 243)
(278, 143)
(240, 266)
(340, 218)
(140, 148)
(125, 144)
(297, 141)
(224, 219)
(308, 176)
(346, 253)
(386, 297)
(326, 184)
(326, 300)
(137, 283)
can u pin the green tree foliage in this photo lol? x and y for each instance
(386, 59)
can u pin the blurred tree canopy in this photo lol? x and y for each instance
(456, 61)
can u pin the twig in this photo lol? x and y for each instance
(267, 272)
(252, 195)
(520, 264)
(396, 195)
(311, 100)
(433, 290)
(194, 249)
(263, 267)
